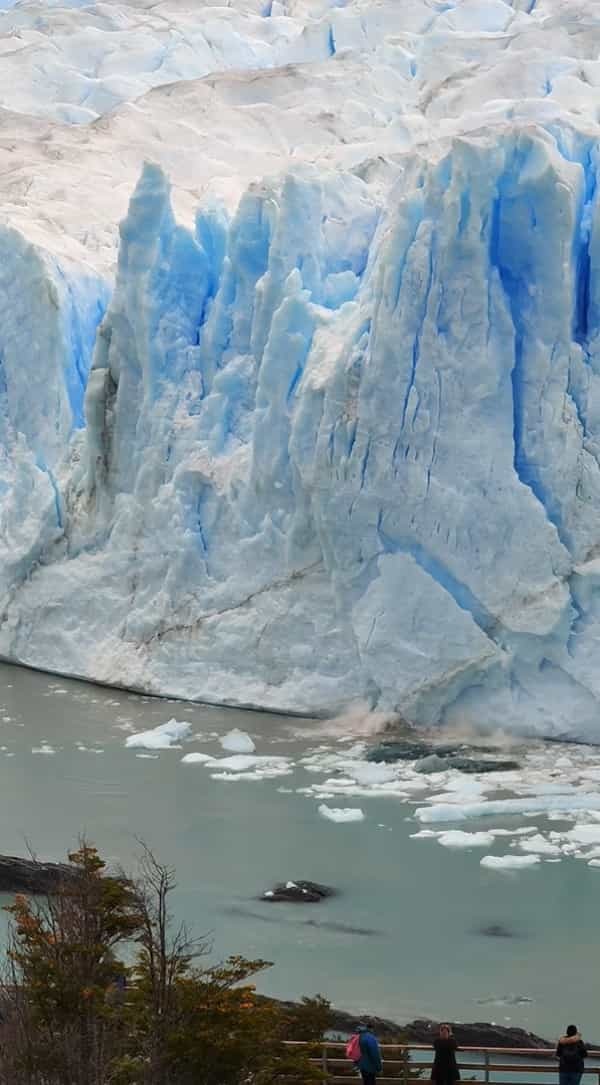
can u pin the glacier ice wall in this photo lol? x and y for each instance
(329, 435)
(335, 449)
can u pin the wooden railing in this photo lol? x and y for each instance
(401, 1063)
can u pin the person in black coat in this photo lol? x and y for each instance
(570, 1051)
(444, 1070)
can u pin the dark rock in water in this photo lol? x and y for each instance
(469, 764)
(299, 892)
(398, 751)
(322, 924)
(342, 928)
(432, 758)
(30, 876)
(496, 930)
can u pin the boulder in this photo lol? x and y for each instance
(484, 764)
(431, 758)
(298, 892)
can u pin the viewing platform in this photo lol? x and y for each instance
(489, 1065)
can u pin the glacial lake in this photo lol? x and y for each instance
(404, 936)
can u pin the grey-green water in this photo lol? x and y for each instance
(420, 906)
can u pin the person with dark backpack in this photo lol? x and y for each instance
(571, 1052)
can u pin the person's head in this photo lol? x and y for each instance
(369, 1025)
(572, 1030)
(445, 1031)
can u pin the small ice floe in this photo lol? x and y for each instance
(250, 767)
(538, 845)
(583, 833)
(163, 737)
(509, 862)
(45, 748)
(543, 804)
(268, 772)
(455, 838)
(341, 815)
(197, 759)
(237, 741)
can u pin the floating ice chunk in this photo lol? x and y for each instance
(341, 814)
(594, 862)
(368, 772)
(455, 838)
(425, 834)
(197, 759)
(583, 834)
(250, 767)
(44, 748)
(259, 774)
(241, 762)
(538, 845)
(509, 862)
(237, 741)
(446, 811)
(162, 737)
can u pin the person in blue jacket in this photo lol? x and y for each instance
(370, 1055)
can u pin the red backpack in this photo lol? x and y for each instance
(353, 1051)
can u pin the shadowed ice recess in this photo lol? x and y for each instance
(334, 435)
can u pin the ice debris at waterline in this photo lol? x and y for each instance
(163, 737)
(237, 742)
(333, 430)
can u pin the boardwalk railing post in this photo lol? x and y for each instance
(486, 1063)
(324, 1060)
(405, 1065)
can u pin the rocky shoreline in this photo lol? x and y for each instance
(424, 1030)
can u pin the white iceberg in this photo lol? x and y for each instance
(237, 741)
(567, 804)
(163, 737)
(341, 815)
(455, 838)
(509, 862)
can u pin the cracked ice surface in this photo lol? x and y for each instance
(328, 428)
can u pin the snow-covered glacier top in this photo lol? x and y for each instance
(320, 420)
